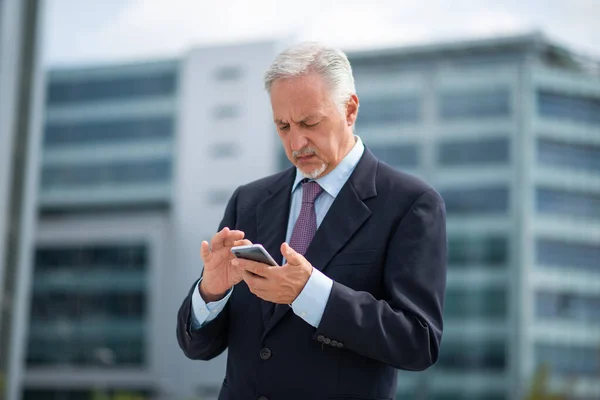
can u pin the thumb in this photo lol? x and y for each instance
(204, 250)
(292, 257)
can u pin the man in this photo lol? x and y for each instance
(360, 289)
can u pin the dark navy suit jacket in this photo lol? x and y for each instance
(383, 242)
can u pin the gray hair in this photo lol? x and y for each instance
(310, 57)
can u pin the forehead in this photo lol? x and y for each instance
(293, 97)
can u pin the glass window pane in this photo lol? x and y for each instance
(111, 88)
(469, 152)
(397, 155)
(568, 107)
(476, 201)
(120, 173)
(564, 360)
(577, 156)
(91, 132)
(228, 73)
(388, 110)
(492, 102)
(561, 202)
(226, 111)
(474, 356)
(568, 254)
(477, 250)
(571, 306)
(89, 306)
(478, 303)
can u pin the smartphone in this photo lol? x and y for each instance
(254, 252)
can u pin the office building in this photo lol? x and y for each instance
(128, 190)
(508, 130)
(139, 161)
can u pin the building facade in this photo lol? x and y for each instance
(508, 131)
(139, 161)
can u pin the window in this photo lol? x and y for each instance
(472, 356)
(89, 306)
(224, 150)
(388, 110)
(219, 197)
(567, 107)
(226, 111)
(85, 133)
(477, 250)
(571, 306)
(564, 203)
(474, 152)
(576, 156)
(476, 201)
(94, 89)
(568, 254)
(568, 360)
(480, 303)
(397, 155)
(228, 73)
(131, 257)
(493, 102)
(120, 173)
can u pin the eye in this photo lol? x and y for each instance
(310, 125)
(284, 127)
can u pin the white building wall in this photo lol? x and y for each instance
(226, 137)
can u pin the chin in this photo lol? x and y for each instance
(315, 173)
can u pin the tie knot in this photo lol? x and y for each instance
(310, 191)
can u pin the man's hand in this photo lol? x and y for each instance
(279, 285)
(219, 273)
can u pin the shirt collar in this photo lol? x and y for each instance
(333, 182)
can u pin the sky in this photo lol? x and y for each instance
(80, 32)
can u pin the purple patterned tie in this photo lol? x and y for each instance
(306, 224)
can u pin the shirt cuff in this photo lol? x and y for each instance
(203, 313)
(310, 303)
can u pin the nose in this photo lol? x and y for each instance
(297, 140)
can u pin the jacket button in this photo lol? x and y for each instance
(327, 341)
(340, 345)
(321, 338)
(334, 343)
(265, 354)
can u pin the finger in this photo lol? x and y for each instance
(243, 242)
(204, 250)
(292, 257)
(253, 281)
(236, 238)
(256, 268)
(225, 237)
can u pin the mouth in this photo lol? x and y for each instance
(305, 158)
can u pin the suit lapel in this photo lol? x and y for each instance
(346, 215)
(272, 220)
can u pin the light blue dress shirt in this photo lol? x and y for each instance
(310, 303)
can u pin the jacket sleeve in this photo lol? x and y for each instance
(404, 328)
(210, 340)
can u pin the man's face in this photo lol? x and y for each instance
(316, 137)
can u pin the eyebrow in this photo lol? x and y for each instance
(278, 121)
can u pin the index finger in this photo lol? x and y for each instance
(226, 235)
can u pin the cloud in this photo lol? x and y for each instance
(159, 28)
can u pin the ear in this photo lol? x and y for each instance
(351, 110)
